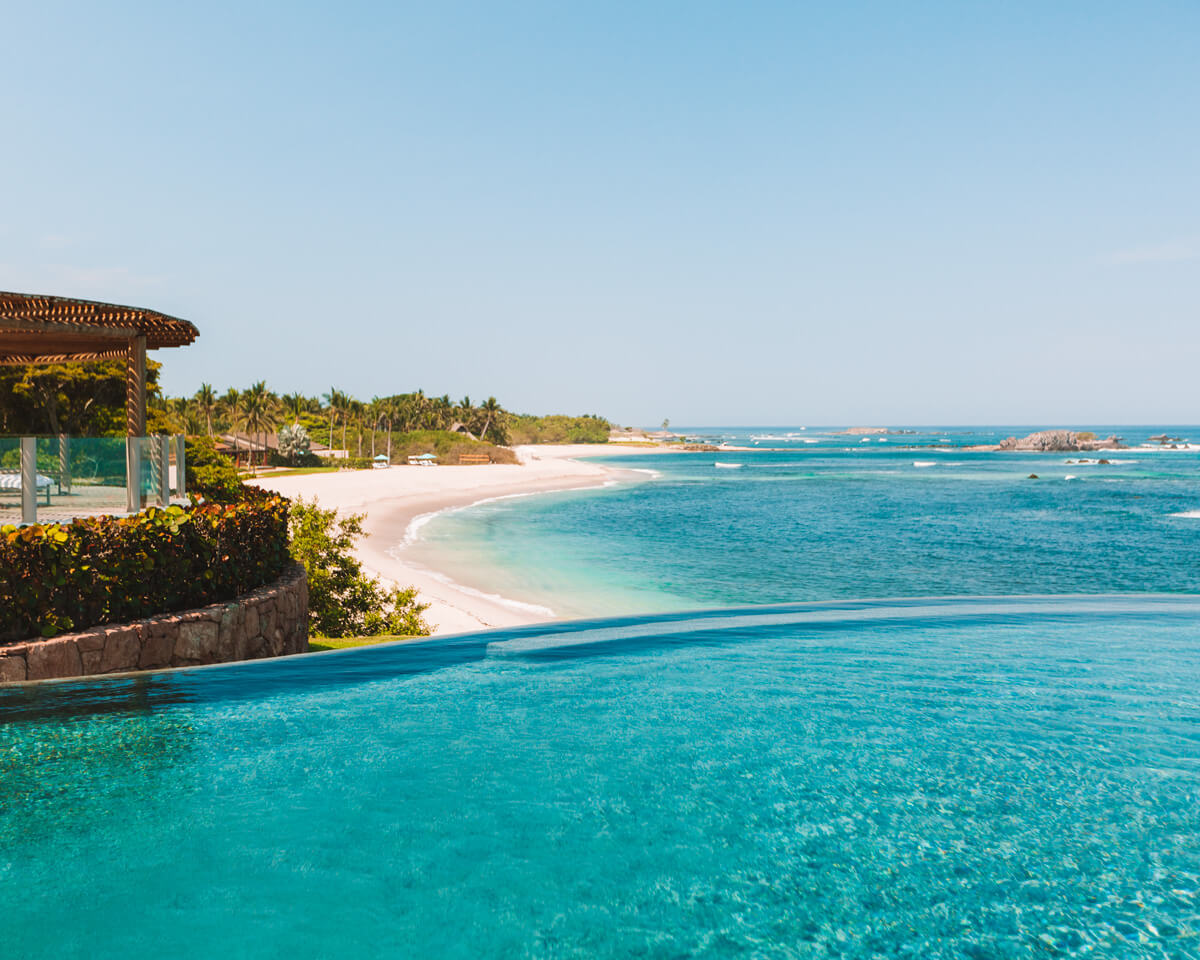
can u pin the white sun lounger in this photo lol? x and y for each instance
(12, 481)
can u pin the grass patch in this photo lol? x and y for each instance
(292, 472)
(344, 643)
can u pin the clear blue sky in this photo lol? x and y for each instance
(713, 212)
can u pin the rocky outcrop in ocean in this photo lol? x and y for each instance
(1054, 441)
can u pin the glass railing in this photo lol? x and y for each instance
(55, 479)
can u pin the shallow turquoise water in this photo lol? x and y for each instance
(921, 779)
(915, 515)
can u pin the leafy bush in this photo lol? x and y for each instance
(558, 429)
(346, 463)
(446, 445)
(57, 577)
(299, 460)
(212, 475)
(342, 600)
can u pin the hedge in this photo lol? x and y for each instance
(60, 577)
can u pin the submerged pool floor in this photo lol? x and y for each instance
(966, 778)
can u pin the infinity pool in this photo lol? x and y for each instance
(962, 778)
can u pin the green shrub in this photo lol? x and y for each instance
(342, 600)
(346, 463)
(298, 460)
(212, 475)
(58, 577)
(556, 428)
(446, 445)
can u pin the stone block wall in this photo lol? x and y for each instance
(268, 622)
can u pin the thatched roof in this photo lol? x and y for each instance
(43, 329)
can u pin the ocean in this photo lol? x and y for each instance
(944, 778)
(812, 514)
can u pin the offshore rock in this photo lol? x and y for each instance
(1059, 441)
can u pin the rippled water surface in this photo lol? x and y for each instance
(924, 779)
(906, 514)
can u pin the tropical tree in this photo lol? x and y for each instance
(491, 412)
(338, 404)
(294, 404)
(258, 413)
(293, 442)
(206, 405)
(230, 407)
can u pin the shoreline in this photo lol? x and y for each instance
(399, 501)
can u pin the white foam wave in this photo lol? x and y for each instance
(413, 530)
(492, 597)
(1188, 514)
(924, 463)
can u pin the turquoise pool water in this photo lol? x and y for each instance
(962, 778)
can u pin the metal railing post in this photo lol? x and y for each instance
(29, 479)
(163, 443)
(133, 474)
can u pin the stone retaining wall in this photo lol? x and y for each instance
(267, 622)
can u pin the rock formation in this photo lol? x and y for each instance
(1055, 441)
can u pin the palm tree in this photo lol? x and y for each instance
(294, 404)
(206, 405)
(230, 407)
(389, 414)
(491, 410)
(375, 411)
(339, 404)
(419, 404)
(258, 413)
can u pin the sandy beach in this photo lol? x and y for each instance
(392, 499)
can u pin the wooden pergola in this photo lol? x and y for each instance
(42, 329)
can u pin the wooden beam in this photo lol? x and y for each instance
(67, 329)
(135, 387)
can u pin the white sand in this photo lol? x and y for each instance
(393, 498)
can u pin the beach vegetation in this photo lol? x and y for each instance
(346, 643)
(210, 474)
(80, 399)
(363, 429)
(60, 577)
(343, 601)
(588, 428)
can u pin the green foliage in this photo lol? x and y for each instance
(81, 399)
(558, 429)
(342, 600)
(446, 445)
(212, 475)
(364, 428)
(346, 463)
(293, 441)
(57, 577)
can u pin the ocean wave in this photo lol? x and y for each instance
(924, 463)
(1188, 514)
(413, 530)
(509, 602)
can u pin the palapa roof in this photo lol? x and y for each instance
(45, 329)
